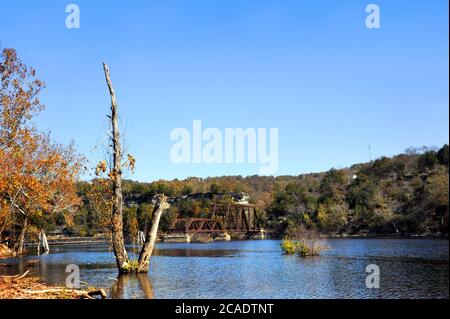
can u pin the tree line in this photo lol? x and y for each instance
(404, 195)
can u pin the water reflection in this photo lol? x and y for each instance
(121, 288)
(177, 252)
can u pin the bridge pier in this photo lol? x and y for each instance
(177, 238)
(222, 237)
(260, 235)
(202, 237)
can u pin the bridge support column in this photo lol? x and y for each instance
(260, 235)
(223, 237)
(177, 238)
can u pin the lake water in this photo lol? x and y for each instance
(409, 268)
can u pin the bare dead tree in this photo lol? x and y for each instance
(117, 221)
(118, 242)
(152, 232)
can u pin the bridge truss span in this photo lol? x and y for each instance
(232, 218)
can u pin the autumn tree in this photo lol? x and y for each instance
(98, 196)
(37, 175)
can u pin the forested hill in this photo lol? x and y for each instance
(406, 194)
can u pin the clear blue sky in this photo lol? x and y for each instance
(309, 68)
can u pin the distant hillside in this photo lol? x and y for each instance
(406, 194)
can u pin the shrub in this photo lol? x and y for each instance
(289, 247)
(305, 242)
(131, 266)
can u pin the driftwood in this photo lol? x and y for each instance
(87, 294)
(17, 276)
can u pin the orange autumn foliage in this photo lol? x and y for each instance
(37, 176)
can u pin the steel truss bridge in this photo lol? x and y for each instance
(226, 218)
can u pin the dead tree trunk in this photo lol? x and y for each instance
(43, 243)
(18, 247)
(1, 231)
(140, 238)
(147, 249)
(117, 222)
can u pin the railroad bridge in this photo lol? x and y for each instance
(233, 219)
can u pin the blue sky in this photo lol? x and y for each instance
(309, 68)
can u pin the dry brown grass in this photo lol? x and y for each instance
(22, 287)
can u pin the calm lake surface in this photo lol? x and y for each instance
(409, 268)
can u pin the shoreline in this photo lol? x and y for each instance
(387, 236)
(60, 241)
(33, 287)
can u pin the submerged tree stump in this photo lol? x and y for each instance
(43, 243)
